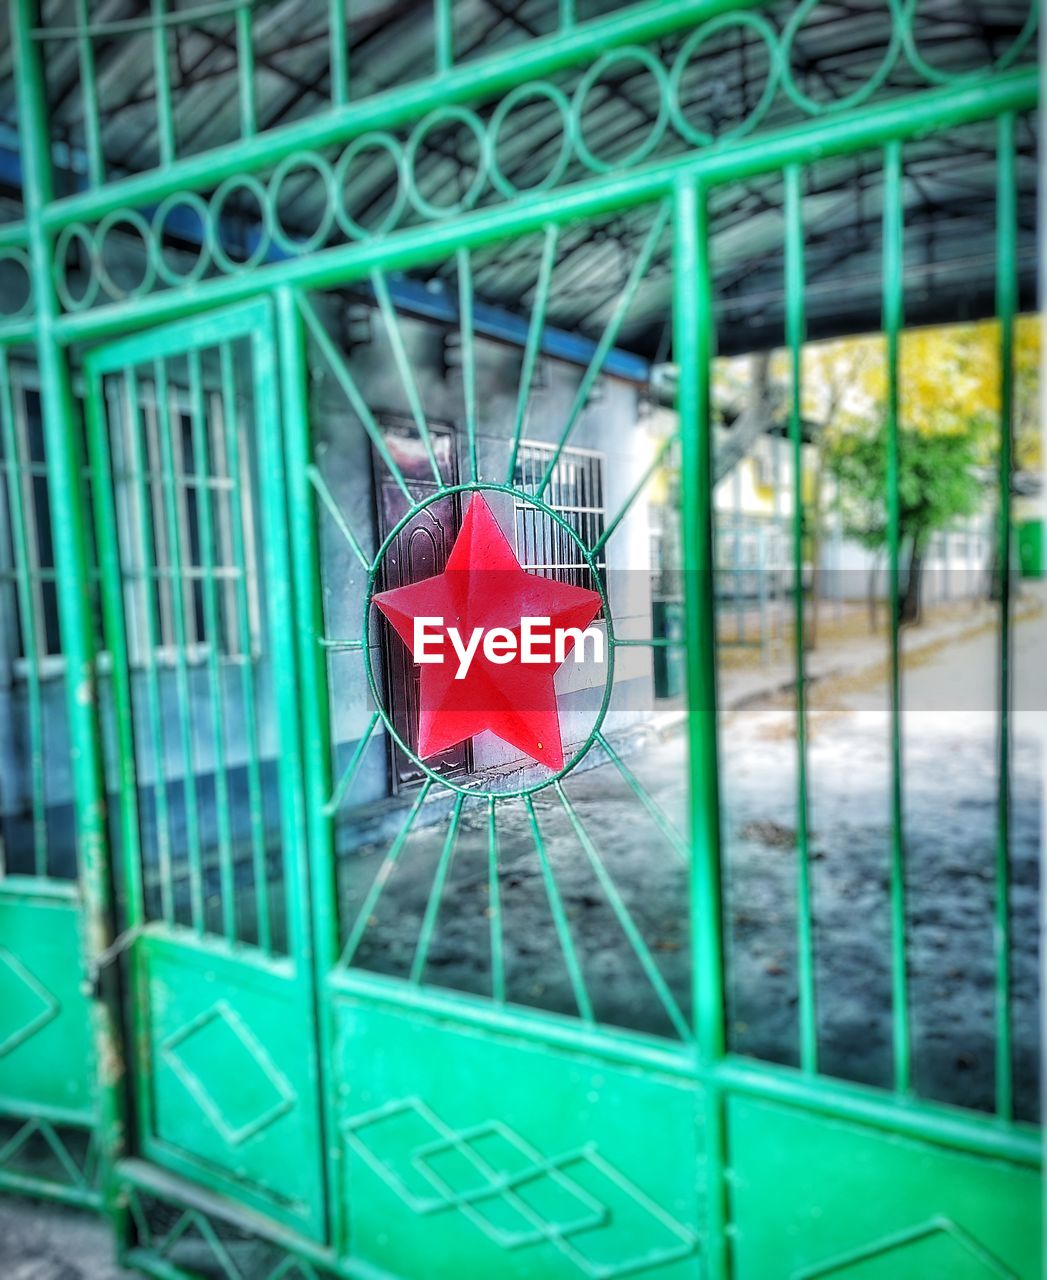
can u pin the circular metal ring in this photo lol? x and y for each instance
(723, 21)
(249, 183)
(302, 160)
(478, 486)
(630, 53)
(199, 206)
(441, 115)
(133, 219)
(368, 142)
(65, 239)
(905, 13)
(520, 94)
(804, 101)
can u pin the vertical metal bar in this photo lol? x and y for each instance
(893, 311)
(212, 641)
(567, 17)
(337, 36)
(494, 907)
(245, 71)
(444, 20)
(183, 692)
(560, 922)
(432, 907)
(465, 323)
(154, 703)
(165, 128)
(533, 346)
(27, 615)
(1006, 306)
(240, 514)
(72, 566)
(693, 329)
(795, 325)
(89, 95)
(403, 364)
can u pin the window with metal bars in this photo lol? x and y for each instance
(162, 486)
(26, 544)
(575, 491)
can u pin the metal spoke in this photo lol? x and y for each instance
(327, 498)
(468, 349)
(608, 338)
(624, 917)
(352, 392)
(533, 346)
(634, 493)
(432, 907)
(403, 364)
(349, 775)
(648, 801)
(382, 876)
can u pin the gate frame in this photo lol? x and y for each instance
(687, 180)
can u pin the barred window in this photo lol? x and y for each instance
(576, 493)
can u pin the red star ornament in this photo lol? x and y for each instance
(483, 585)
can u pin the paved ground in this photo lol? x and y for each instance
(47, 1242)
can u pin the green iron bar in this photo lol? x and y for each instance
(348, 777)
(332, 508)
(795, 324)
(465, 320)
(336, 38)
(137, 466)
(475, 81)
(607, 340)
(352, 393)
(27, 616)
(444, 36)
(166, 429)
(315, 712)
(231, 437)
(625, 919)
(893, 302)
(560, 923)
(694, 326)
(494, 907)
(432, 907)
(201, 438)
(1006, 306)
(165, 126)
(76, 620)
(909, 116)
(646, 799)
(634, 493)
(533, 345)
(89, 96)
(382, 875)
(245, 70)
(403, 365)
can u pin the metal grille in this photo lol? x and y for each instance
(574, 490)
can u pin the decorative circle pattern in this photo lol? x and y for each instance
(568, 140)
(470, 788)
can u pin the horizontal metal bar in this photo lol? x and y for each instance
(915, 114)
(474, 83)
(930, 1122)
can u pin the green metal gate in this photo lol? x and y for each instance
(285, 1110)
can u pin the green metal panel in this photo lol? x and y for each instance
(514, 1159)
(815, 1197)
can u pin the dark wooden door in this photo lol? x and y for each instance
(420, 550)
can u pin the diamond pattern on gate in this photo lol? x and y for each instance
(26, 1005)
(492, 1195)
(241, 1060)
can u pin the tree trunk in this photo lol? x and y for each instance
(910, 602)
